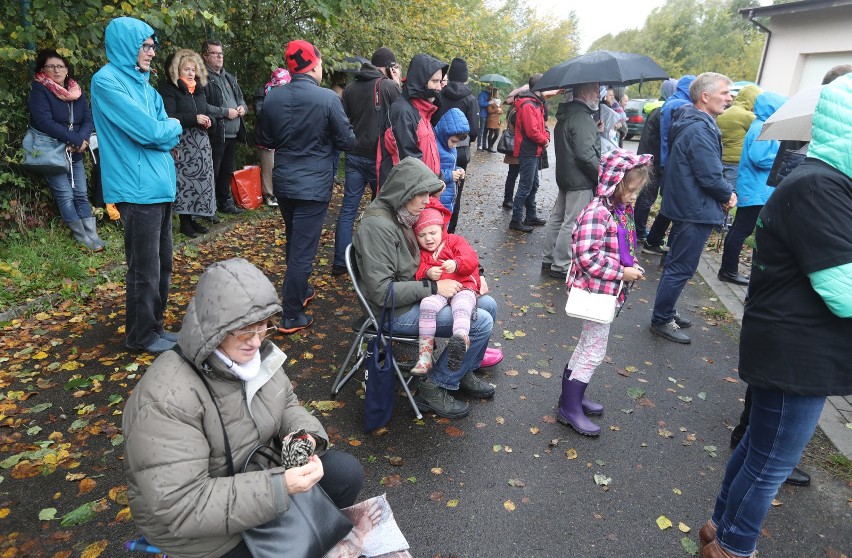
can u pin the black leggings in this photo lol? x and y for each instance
(491, 138)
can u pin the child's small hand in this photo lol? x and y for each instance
(633, 273)
(458, 174)
(434, 273)
(450, 266)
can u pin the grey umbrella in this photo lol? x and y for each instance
(602, 66)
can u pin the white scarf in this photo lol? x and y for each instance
(244, 372)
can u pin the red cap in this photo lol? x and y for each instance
(301, 56)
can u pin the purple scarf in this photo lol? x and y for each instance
(626, 234)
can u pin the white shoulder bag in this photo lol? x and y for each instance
(586, 305)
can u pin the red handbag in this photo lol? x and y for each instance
(245, 186)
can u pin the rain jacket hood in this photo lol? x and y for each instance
(678, 99)
(614, 165)
(417, 79)
(406, 180)
(757, 156)
(230, 295)
(455, 90)
(831, 141)
(124, 36)
(368, 72)
(746, 97)
(452, 123)
(668, 88)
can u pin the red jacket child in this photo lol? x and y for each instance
(450, 247)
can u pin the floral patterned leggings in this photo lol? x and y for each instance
(590, 351)
(462, 304)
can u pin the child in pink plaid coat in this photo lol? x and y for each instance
(603, 255)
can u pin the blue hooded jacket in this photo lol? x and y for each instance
(757, 156)
(482, 100)
(452, 123)
(693, 182)
(678, 99)
(135, 134)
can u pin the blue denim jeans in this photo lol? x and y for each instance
(360, 171)
(686, 244)
(148, 251)
(780, 427)
(730, 172)
(527, 188)
(73, 201)
(480, 332)
(303, 220)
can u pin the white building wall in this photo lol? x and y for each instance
(804, 46)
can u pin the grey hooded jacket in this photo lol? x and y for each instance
(181, 496)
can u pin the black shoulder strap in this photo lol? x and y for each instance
(231, 470)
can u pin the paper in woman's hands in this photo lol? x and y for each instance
(297, 449)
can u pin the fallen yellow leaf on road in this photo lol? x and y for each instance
(509, 505)
(683, 527)
(664, 522)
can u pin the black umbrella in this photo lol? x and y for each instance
(353, 64)
(603, 66)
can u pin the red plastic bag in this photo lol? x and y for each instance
(245, 186)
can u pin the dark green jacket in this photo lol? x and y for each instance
(386, 250)
(578, 147)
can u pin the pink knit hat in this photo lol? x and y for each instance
(428, 217)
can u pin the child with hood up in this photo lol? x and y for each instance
(451, 129)
(603, 255)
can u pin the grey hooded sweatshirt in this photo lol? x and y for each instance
(181, 496)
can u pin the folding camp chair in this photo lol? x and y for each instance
(366, 329)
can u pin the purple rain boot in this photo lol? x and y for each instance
(589, 407)
(571, 408)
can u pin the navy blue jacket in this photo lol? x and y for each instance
(50, 115)
(306, 126)
(693, 183)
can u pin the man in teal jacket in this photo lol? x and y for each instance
(138, 174)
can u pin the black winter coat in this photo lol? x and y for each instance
(307, 127)
(183, 105)
(367, 111)
(215, 100)
(457, 95)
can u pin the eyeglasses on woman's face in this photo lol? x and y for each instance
(52, 67)
(149, 47)
(246, 335)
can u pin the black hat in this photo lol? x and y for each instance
(383, 58)
(458, 70)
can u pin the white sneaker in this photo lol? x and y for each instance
(271, 201)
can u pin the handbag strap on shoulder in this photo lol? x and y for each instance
(228, 457)
(387, 316)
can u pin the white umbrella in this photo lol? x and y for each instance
(793, 121)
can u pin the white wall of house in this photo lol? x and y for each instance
(804, 46)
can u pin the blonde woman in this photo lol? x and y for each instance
(184, 99)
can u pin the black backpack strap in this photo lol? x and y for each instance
(231, 470)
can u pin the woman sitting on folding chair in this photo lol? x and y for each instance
(386, 252)
(183, 499)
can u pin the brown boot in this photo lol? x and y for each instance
(713, 550)
(426, 345)
(706, 535)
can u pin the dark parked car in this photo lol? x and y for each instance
(635, 117)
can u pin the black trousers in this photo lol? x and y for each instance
(462, 159)
(224, 159)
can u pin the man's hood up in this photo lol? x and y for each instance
(407, 179)
(746, 97)
(767, 103)
(230, 295)
(123, 38)
(417, 79)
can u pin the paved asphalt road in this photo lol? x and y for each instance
(516, 493)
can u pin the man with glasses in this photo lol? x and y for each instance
(366, 101)
(410, 133)
(226, 103)
(138, 175)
